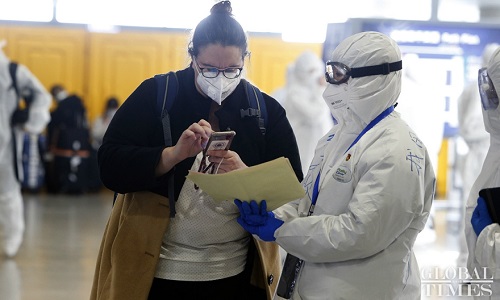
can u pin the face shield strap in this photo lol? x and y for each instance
(382, 69)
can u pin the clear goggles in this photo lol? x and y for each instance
(338, 73)
(489, 97)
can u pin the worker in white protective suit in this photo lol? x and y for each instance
(483, 236)
(307, 112)
(11, 202)
(472, 131)
(280, 93)
(368, 192)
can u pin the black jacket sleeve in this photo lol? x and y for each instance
(133, 144)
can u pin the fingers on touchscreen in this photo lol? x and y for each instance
(218, 141)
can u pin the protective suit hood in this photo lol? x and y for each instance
(368, 96)
(308, 67)
(488, 51)
(492, 117)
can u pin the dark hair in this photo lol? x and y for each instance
(56, 88)
(112, 103)
(220, 27)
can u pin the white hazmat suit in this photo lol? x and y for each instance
(472, 131)
(471, 127)
(308, 114)
(484, 250)
(11, 202)
(373, 198)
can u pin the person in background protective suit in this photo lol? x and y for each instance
(304, 105)
(102, 122)
(472, 131)
(483, 236)
(369, 189)
(280, 93)
(11, 201)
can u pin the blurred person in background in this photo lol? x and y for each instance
(304, 105)
(280, 93)
(101, 123)
(69, 145)
(11, 201)
(99, 127)
(483, 236)
(472, 131)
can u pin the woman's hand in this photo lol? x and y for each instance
(226, 160)
(191, 142)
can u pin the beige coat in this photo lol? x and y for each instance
(131, 244)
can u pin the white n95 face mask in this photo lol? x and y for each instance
(217, 88)
(336, 96)
(61, 95)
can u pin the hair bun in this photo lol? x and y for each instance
(222, 7)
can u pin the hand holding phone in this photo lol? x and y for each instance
(217, 141)
(220, 140)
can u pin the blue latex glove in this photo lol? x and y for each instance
(257, 220)
(480, 217)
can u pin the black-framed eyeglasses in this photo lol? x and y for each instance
(211, 72)
(338, 73)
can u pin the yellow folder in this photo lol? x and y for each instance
(273, 181)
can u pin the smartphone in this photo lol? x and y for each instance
(220, 140)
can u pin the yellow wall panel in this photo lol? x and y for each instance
(54, 55)
(270, 57)
(120, 62)
(99, 65)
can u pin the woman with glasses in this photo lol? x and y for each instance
(204, 253)
(368, 191)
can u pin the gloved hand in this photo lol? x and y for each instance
(257, 220)
(480, 217)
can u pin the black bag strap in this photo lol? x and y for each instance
(164, 102)
(12, 72)
(257, 106)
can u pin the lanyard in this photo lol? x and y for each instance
(384, 114)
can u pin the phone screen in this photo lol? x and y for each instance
(217, 141)
(220, 140)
